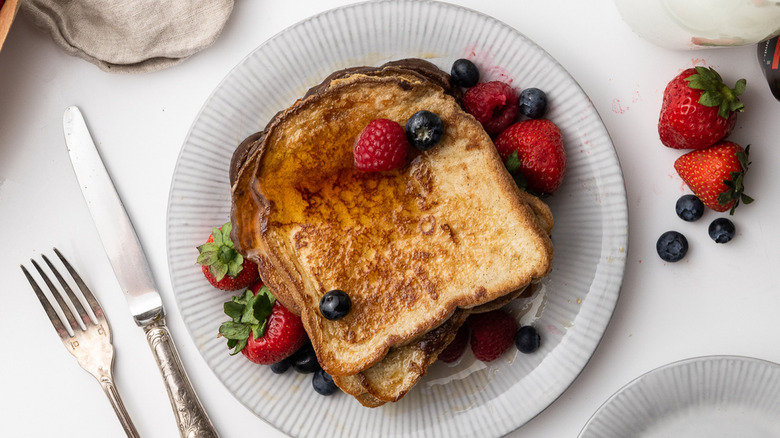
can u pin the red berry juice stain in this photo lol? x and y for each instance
(484, 60)
(618, 108)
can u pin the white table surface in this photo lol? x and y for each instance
(721, 299)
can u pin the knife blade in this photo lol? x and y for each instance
(132, 272)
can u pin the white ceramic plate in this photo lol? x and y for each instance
(704, 397)
(574, 305)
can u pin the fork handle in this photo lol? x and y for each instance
(191, 418)
(107, 383)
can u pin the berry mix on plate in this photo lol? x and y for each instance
(261, 328)
(532, 148)
(697, 114)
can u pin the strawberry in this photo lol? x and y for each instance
(263, 330)
(492, 333)
(715, 174)
(533, 153)
(698, 109)
(458, 345)
(224, 267)
(381, 145)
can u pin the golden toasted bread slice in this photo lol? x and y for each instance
(392, 377)
(450, 229)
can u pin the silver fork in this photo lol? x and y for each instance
(89, 342)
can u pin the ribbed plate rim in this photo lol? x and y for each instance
(565, 369)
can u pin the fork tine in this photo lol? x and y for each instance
(73, 298)
(50, 312)
(58, 296)
(93, 303)
(91, 346)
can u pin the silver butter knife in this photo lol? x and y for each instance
(133, 273)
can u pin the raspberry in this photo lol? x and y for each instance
(492, 333)
(457, 346)
(494, 104)
(382, 145)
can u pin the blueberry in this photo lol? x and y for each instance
(424, 129)
(533, 103)
(464, 73)
(322, 382)
(722, 230)
(527, 339)
(689, 208)
(335, 304)
(671, 246)
(304, 360)
(281, 367)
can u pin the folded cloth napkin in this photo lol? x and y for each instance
(130, 36)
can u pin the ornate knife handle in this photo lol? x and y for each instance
(191, 418)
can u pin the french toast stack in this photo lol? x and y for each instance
(417, 249)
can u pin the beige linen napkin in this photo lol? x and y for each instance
(130, 36)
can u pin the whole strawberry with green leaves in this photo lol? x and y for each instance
(224, 267)
(261, 328)
(716, 174)
(533, 152)
(698, 109)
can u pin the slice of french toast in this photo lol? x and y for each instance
(392, 377)
(448, 230)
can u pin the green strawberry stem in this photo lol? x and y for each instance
(221, 256)
(513, 164)
(249, 314)
(736, 185)
(717, 93)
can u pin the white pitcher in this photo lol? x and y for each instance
(699, 24)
